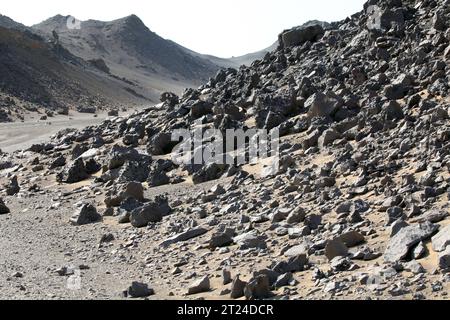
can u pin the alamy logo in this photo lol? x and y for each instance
(73, 23)
(235, 147)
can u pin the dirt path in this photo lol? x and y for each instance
(21, 135)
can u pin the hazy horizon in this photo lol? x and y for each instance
(241, 27)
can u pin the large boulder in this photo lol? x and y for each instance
(400, 245)
(444, 259)
(119, 155)
(220, 240)
(151, 212)
(237, 288)
(300, 35)
(442, 239)
(323, 104)
(200, 109)
(134, 171)
(13, 187)
(211, 171)
(76, 172)
(3, 208)
(86, 214)
(199, 286)
(130, 190)
(335, 248)
(161, 144)
(250, 240)
(139, 290)
(258, 288)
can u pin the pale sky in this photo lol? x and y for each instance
(223, 28)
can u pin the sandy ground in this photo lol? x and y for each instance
(22, 135)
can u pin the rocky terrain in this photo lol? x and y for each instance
(41, 76)
(50, 68)
(359, 208)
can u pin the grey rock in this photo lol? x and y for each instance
(150, 213)
(139, 290)
(220, 240)
(161, 144)
(397, 226)
(444, 259)
(300, 35)
(211, 171)
(257, 288)
(293, 264)
(414, 267)
(328, 137)
(399, 245)
(76, 172)
(284, 280)
(130, 190)
(340, 264)
(226, 277)
(296, 216)
(335, 248)
(3, 208)
(13, 187)
(419, 251)
(184, 236)
(393, 214)
(323, 105)
(86, 214)
(237, 288)
(250, 240)
(352, 238)
(442, 239)
(297, 250)
(199, 286)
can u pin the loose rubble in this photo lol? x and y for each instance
(359, 208)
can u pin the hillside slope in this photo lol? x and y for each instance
(358, 208)
(133, 52)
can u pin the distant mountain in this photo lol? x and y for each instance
(36, 71)
(116, 63)
(132, 52)
(248, 59)
(9, 23)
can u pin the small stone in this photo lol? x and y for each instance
(85, 215)
(237, 288)
(257, 288)
(335, 248)
(199, 286)
(3, 208)
(139, 290)
(226, 276)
